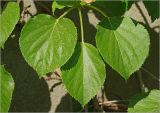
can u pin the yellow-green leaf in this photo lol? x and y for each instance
(7, 86)
(8, 20)
(145, 102)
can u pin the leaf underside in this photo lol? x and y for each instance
(122, 44)
(84, 74)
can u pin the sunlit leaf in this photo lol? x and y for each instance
(122, 44)
(7, 86)
(47, 43)
(8, 20)
(145, 102)
(84, 73)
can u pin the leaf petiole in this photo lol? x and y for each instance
(81, 24)
(98, 10)
(65, 13)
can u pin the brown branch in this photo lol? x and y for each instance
(142, 13)
(115, 105)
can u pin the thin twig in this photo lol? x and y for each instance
(156, 27)
(97, 9)
(96, 105)
(52, 78)
(47, 10)
(115, 105)
(143, 88)
(150, 74)
(113, 101)
(142, 13)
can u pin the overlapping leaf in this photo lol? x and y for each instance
(7, 86)
(122, 44)
(47, 43)
(148, 102)
(153, 9)
(8, 20)
(110, 7)
(84, 73)
(57, 4)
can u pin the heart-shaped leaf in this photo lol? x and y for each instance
(84, 74)
(47, 43)
(122, 44)
(8, 20)
(145, 102)
(7, 86)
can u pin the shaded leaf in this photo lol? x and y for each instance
(152, 8)
(122, 44)
(110, 7)
(57, 4)
(7, 86)
(84, 74)
(8, 20)
(145, 102)
(47, 43)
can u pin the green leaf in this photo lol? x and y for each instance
(153, 9)
(149, 102)
(8, 20)
(7, 86)
(126, 4)
(47, 43)
(110, 7)
(122, 44)
(62, 4)
(84, 74)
